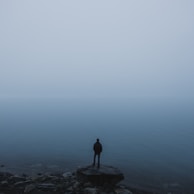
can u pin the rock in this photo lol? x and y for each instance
(29, 188)
(87, 184)
(76, 185)
(40, 178)
(67, 174)
(49, 179)
(16, 178)
(46, 186)
(87, 180)
(122, 191)
(105, 175)
(89, 190)
(21, 183)
(4, 175)
(4, 183)
(70, 189)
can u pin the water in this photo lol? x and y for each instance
(151, 140)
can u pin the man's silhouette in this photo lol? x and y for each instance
(97, 151)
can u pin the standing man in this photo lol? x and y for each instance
(97, 151)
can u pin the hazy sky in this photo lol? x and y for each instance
(101, 48)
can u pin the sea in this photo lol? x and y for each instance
(151, 140)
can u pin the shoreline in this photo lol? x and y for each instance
(52, 181)
(67, 182)
(132, 180)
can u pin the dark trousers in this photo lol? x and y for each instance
(96, 154)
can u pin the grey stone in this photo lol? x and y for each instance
(76, 185)
(4, 183)
(15, 178)
(20, 183)
(122, 191)
(105, 175)
(90, 190)
(69, 189)
(40, 178)
(67, 174)
(46, 186)
(29, 188)
(4, 175)
(87, 184)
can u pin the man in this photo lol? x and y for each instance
(97, 151)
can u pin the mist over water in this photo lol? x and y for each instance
(146, 138)
(120, 71)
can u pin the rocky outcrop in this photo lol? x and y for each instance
(105, 175)
(86, 180)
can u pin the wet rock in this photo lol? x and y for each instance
(88, 180)
(41, 178)
(29, 188)
(16, 178)
(70, 189)
(48, 178)
(105, 175)
(46, 186)
(4, 175)
(4, 183)
(21, 183)
(90, 190)
(67, 174)
(76, 185)
(87, 184)
(122, 191)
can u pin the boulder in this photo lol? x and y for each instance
(29, 188)
(89, 190)
(105, 175)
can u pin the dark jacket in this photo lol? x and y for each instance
(97, 148)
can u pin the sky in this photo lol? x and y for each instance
(99, 48)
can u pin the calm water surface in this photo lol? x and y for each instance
(152, 141)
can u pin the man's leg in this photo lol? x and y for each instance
(94, 161)
(98, 160)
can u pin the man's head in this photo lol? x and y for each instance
(97, 140)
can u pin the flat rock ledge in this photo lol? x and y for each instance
(105, 175)
(87, 180)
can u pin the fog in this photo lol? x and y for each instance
(151, 141)
(121, 71)
(90, 49)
